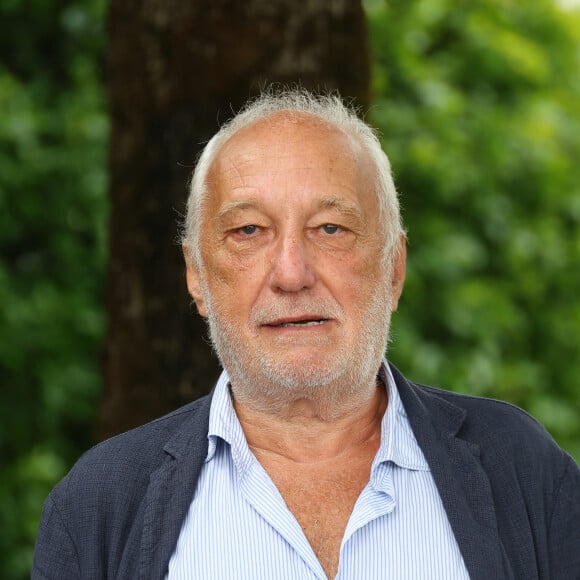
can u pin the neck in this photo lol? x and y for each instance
(305, 432)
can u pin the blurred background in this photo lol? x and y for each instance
(478, 105)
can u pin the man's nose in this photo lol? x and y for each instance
(291, 266)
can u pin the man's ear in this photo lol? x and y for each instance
(398, 273)
(193, 283)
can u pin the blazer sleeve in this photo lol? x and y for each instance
(564, 527)
(55, 555)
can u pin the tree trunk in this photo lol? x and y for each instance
(177, 69)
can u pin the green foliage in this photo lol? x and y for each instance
(52, 213)
(479, 106)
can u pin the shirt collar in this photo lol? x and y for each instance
(223, 421)
(398, 444)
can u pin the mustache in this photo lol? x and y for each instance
(315, 308)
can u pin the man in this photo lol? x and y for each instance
(312, 457)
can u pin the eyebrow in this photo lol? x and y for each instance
(335, 203)
(344, 208)
(234, 206)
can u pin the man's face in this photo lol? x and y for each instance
(293, 280)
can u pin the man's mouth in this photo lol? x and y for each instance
(298, 323)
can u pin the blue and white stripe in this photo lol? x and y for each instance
(238, 526)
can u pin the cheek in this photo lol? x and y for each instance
(359, 270)
(363, 282)
(223, 267)
(349, 284)
(234, 282)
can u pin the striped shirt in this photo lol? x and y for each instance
(238, 526)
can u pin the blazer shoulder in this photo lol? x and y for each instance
(124, 463)
(500, 428)
(93, 519)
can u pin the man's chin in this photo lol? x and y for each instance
(302, 373)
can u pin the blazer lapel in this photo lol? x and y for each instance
(460, 478)
(170, 492)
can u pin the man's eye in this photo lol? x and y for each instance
(331, 229)
(248, 230)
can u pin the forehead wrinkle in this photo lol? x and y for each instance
(232, 168)
(230, 165)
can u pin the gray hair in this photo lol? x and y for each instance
(327, 108)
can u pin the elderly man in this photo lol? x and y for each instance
(312, 457)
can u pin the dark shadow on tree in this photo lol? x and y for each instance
(176, 70)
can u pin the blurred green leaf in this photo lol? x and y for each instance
(479, 107)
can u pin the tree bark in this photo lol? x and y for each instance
(177, 69)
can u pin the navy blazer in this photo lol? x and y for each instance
(511, 494)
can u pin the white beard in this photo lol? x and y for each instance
(265, 382)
